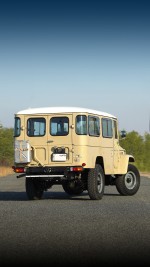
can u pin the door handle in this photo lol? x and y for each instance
(50, 141)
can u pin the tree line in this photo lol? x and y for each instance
(134, 144)
(139, 147)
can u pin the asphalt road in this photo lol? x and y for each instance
(70, 230)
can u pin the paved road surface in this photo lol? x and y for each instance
(70, 230)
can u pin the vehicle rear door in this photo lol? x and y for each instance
(59, 139)
(36, 135)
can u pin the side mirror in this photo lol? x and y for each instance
(123, 134)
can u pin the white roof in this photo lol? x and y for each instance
(49, 110)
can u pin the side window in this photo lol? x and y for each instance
(115, 129)
(81, 124)
(107, 130)
(59, 126)
(36, 127)
(94, 126)
(17, 127)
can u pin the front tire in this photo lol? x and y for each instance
(129, 183)
(33, 189)
(96, 183)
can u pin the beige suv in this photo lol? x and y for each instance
(75, 147)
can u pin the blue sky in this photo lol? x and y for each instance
(93, 54)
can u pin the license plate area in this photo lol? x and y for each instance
(59, 157)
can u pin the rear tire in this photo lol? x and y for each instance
(96, 183)
(129, 183)
(73, 188)
(33, 190)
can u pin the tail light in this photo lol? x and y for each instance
(76, 169)
(18, 169)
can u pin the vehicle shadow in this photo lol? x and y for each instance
(13, 196)
(62, 195)
(21, 196)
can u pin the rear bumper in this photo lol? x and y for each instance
(48, 172)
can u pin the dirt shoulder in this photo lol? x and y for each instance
(145, 174)
(4, 171)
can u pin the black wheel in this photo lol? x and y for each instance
(73, 187)
(33, 189)
(96, 183)
(129, 183)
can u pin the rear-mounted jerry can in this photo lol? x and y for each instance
(22, 151)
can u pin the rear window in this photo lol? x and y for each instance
(59, 126)
(36, 127)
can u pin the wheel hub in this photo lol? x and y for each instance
(130, 180)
